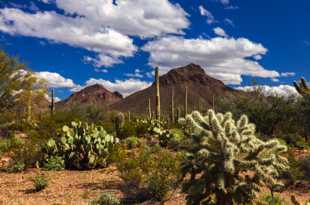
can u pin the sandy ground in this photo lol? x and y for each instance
(79, 188)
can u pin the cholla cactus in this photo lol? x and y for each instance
(302, 87)
(226, 163)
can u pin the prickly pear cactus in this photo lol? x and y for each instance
(226, 163)
(82, 146)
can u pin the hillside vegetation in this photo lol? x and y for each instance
(235, 148)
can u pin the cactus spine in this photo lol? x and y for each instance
(302, 87)
(221, 152)
(157, 93)
(172, 107)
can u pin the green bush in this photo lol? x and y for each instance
(221, 154)
(132, 142)
(271, 200)
(107, 198)
(40, 183)
(82, 146)
(305, 167)
(149, 173)
(54, 163)
(16, 167)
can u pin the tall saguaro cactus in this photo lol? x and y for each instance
(186, 101)
(52, 105)
(302, 87)
(157, 93)
(149, 109)
(172, 107)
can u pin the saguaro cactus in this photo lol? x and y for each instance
(172, 107)
(222, 154)
(52, 104)
(186, 101)
(157, 93)
(302, 87)
(149, 109)
(119, 121)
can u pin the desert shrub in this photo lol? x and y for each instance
(269, 199)
(9, 143)
(107, 198)
(29, 153)
(222, 154)
(177, 139)
(40, 183)
(15, 167)
(132, 142)
(149, 173)
(129, 129)
(305, 167)
(54, 163)
(82, 146)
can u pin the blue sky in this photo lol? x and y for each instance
(75, 43)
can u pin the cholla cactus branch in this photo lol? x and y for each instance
(222, 155)
(302, 87)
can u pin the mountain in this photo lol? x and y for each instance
(94, 95)
(203, 92)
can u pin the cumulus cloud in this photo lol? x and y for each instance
(137, 74)
(99, 26)
(288, 74)
(220, 32)
(55, 80)
(134, 17)
(110, 44)
(204, 12)
(280, 91)
(222, 58)
(125, 87)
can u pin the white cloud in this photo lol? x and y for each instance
(55, 80)
(281, 90)
(98, 25)
(137, 74)
(125, 87)
(275, 80)
(222, 58)
(220, 32)
(109, 43)
(204, 12)
(229, 22)
(134, 17)
(288, 74)
(224, 2)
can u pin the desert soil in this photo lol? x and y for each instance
(79, 188)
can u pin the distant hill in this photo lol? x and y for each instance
(94, 95)
(203, 91)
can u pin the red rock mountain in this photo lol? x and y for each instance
(94, 95)
(203, 92)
